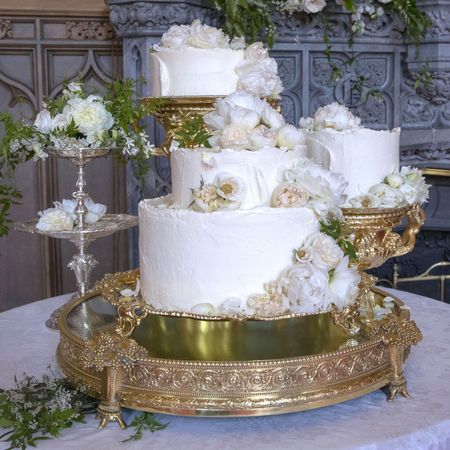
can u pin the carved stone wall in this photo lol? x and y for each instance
(37, 55)
(388, 64)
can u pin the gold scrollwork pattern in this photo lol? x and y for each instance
(348, 318)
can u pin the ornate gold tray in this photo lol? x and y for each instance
(189, 366)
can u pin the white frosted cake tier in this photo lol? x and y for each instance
(194, 71)
(364, 157)
(189, 258)
(258, 169)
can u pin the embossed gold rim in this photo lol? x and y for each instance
(232, 388)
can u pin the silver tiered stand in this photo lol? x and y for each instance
(82, 234)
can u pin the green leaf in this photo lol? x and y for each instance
(193, 133)
(145, 421)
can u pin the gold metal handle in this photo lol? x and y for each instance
(416, 218)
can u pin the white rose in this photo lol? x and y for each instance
(90, 116)
(365, 201)
(176, 37)
(43, 122)
(272, 118)
(335, 116)
(325, 251)
(394, 180)
(55, 219)
(204, 36)
(344, 284)
(313, 6)
(289, 136)
(244, 118)
(256, 52)
(289, 195)
(388, 197)
(234, 138)
(304, 288)
(206, 198)
(230, 187)
(261, 137)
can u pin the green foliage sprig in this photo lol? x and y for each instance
(335, 229)
(193, 133)
(248, 18)
(39, 409)
(143, 422)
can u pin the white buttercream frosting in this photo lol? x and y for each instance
(194, 71)
(189, 258)
(363, 156)
(259, 171)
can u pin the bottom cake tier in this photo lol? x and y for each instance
(130, 357)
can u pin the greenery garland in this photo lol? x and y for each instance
(39, 409)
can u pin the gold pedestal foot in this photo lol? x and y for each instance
(107, 414)
(399, 388)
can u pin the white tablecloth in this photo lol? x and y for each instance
(369, 422)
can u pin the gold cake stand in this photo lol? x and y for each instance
(128, 355)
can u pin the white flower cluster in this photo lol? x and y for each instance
(63, 218)
(364, 9)
(406, 187)
(242, 121)
(319, 278)
(334, 116)
(226, 192)
(307, 6)
(309, 184)
(258, 72)
(89, 115)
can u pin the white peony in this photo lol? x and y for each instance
(261, 137)
(289, 136)
(303, 288)
(244, 118)
(206, 198)
(260, 82)
(95, 211)
(256, 52)
(335, 116)
(89, 115)
(75, 87)
(60, 122)
(306, 123)
(387, 196)
(394, 180)
(55, 219)
(313, 6)
(204, 36)
(325, 188)
(215, 121)
(411, 175)
(344, 284)
(234, 138)
(242, 99)
(175, 38)
(289, 195)
(325, 251)
(230, 187)
(272, 118)
(43, 122)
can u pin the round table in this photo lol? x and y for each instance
(369, 422)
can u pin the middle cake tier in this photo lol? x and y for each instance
(189, 258)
